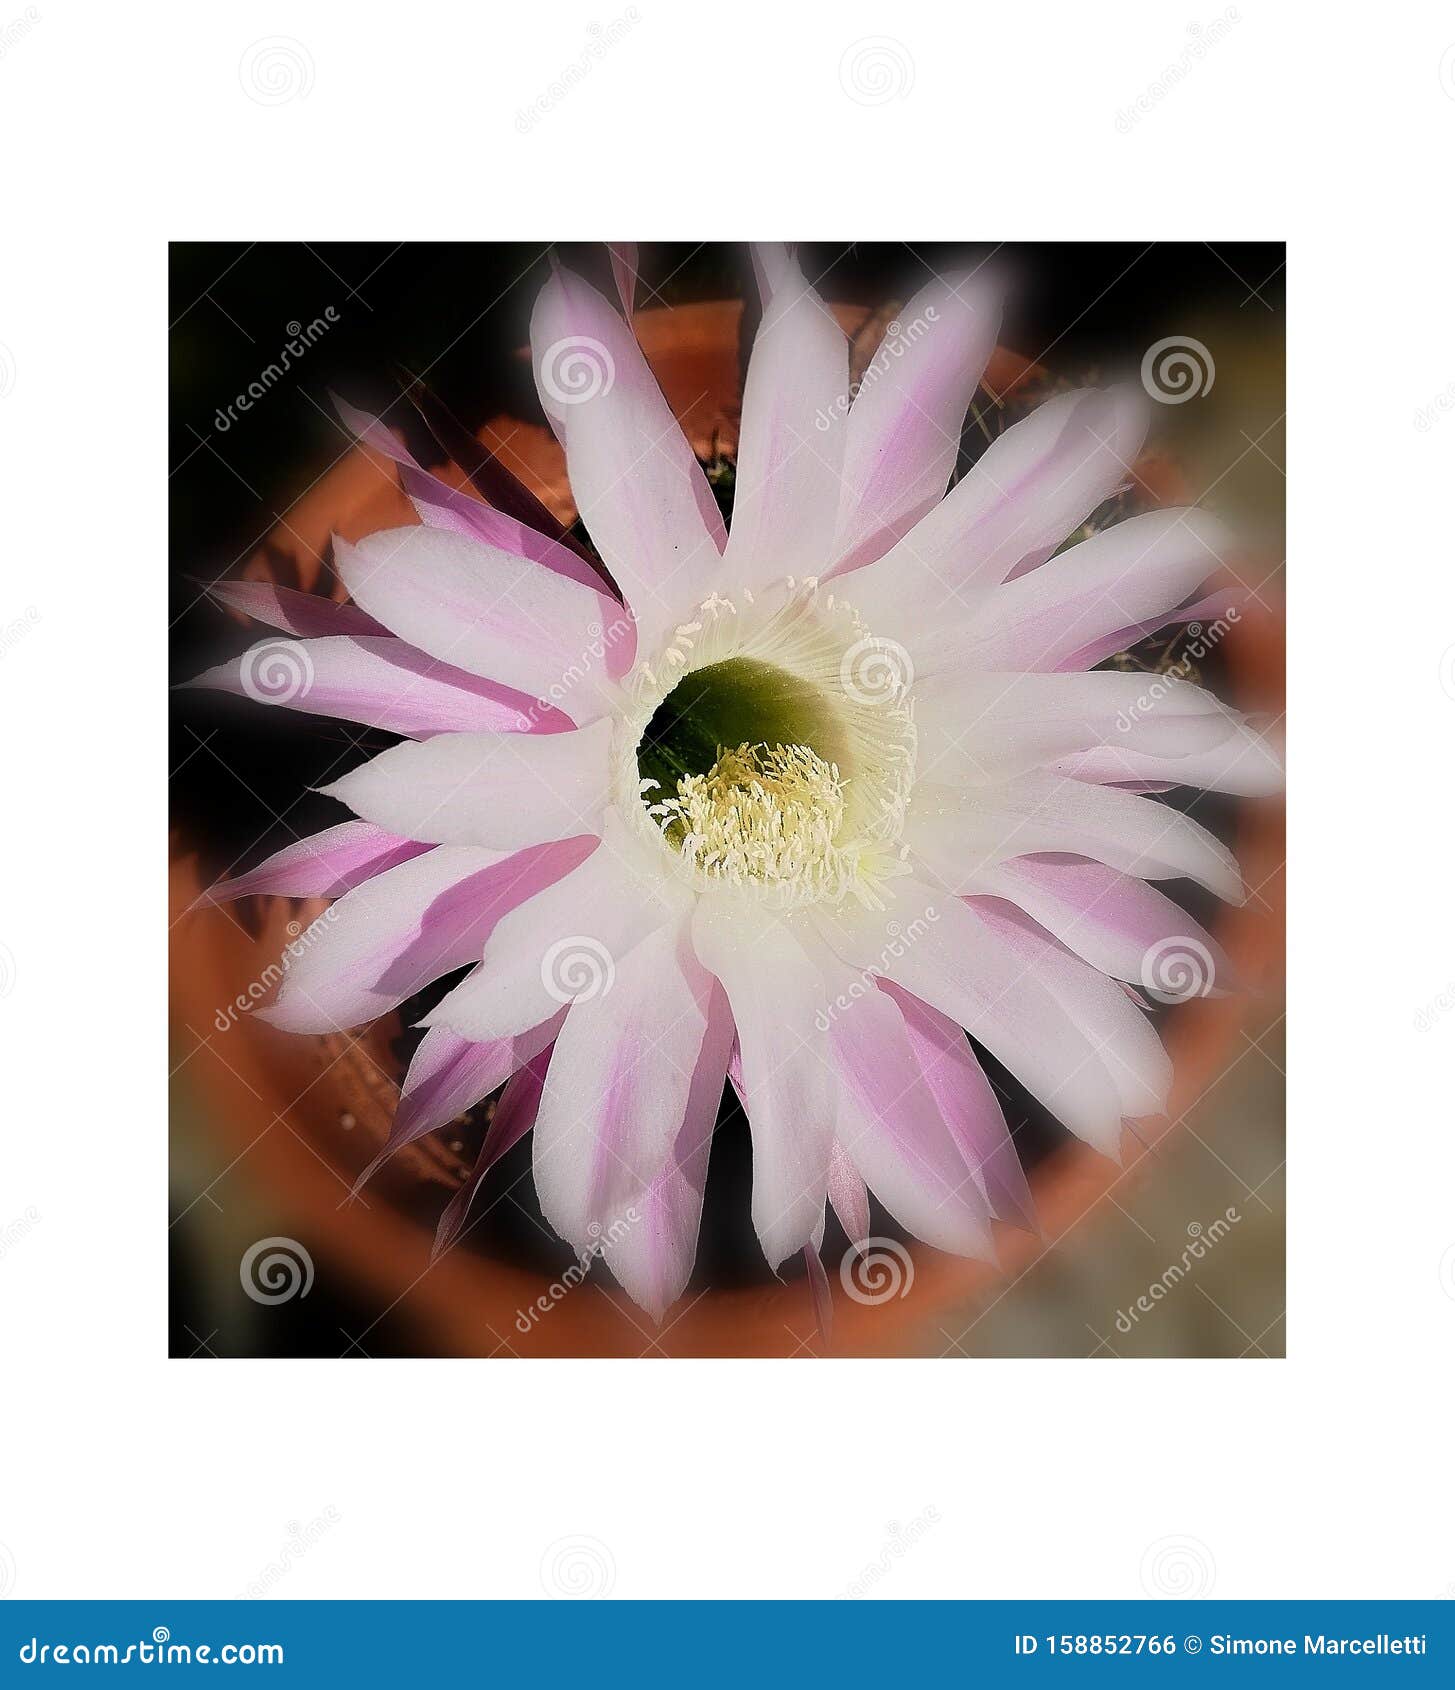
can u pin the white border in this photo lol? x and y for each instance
(1327, 1475)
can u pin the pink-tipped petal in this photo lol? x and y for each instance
(1245, 764)
(977, 728)
(639, 488)
(891, 1129)
(1138, 570)
(955, 831)
(625, 271)
(938, 949)
(381, 682)
(390, 937)
(848, 1194)
(309, 615)
(450, 1075)
(564, 943)
(617, 1092)
(1032, 488)
(776, 991)
(442, 506)
(498, 616)
(968, 1104)
(904, 428)
(1123, 1043)
(324, 866)
(652, 1255)
(514, 1117)
(795, 421)
(1113, 921)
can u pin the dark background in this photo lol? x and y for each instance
(454, 314)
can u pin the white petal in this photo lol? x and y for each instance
(1123, 576)
(1035, 485)
(955, 830)
(565, 943)
(904, 428)
(936, 948)
(795, 405)
(503, 790)
(790, 1093)
(495, 614)
(640, 490)
(617, 1090)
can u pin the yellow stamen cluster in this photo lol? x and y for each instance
(768, 816)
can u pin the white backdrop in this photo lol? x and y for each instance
(1328, 1474)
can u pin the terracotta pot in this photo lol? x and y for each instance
(307, 1114)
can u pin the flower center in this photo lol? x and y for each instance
(760, 757)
